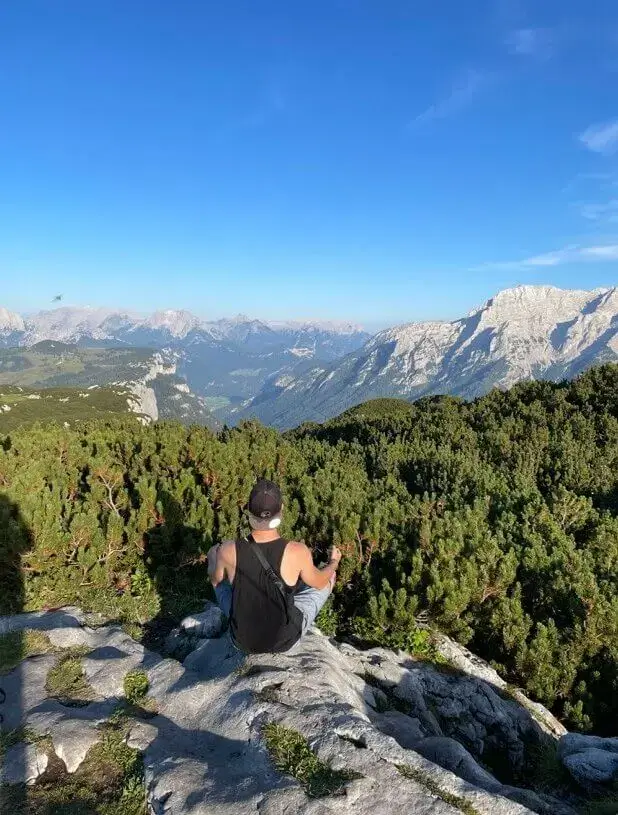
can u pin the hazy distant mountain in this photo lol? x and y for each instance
(11, 327)
(521, 333)
(84, 325)
(227, 361)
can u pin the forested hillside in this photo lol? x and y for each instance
(495, 521)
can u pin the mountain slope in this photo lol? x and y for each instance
(144, 381)
(521, 333)
(12, 328)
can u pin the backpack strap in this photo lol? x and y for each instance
(273, 576)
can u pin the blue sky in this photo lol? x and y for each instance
(377, 160)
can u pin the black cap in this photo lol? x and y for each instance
(265, 500)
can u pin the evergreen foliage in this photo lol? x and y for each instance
(495, 521)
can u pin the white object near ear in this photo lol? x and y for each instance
(275, 522)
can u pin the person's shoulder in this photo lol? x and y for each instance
(298, 549)
(227, 549)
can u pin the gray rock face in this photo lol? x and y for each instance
(473, 666)
(451, 755)
(591, 760)
(209, 623)
(462, 705)
(22, 764)
(370, 712)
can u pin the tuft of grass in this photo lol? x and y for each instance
(135, 686)
(425, 780)
(18, 645)
(134, 630)
(292, 755)
(66, 681)
(110, 781)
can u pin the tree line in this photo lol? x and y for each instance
(495, 521)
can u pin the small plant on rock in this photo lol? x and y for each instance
(66, 681)
(135, 686)
(293, 756)
(17, 645)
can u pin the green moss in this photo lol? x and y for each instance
(293, 756)
(18, 645)
(425, 780)
(135, 686)
(110, 781)
(66, 681)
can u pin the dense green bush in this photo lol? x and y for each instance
(496, 521)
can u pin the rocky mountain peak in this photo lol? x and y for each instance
(178, 323)
(10, 321)
(520, 333)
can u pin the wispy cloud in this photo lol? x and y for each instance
(559, 257)
(601, 138)
(462, 93)
(531, 42)
(601, 252)
(606, 211)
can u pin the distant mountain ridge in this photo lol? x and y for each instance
(225, 361)
(80, 325)
(522, 333)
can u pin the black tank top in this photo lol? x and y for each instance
(262, 620)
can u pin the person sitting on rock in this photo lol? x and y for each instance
(268, 587)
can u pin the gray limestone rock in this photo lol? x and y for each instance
(593, 768)
(406, 730)
(451, 755)
(72, 738)
(205, 754)
(25, 688)
(207, 624)
(578, 743)
(591, 760)
(22, 764)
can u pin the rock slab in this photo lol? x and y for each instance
(370, 713)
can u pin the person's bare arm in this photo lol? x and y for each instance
(313, 577)
(218, 561)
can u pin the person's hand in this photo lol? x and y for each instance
(335, 556)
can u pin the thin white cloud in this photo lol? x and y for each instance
(559, 257)
(463, 91)
(607, 211)
(601, 252)
(601, 138)
(531, 42)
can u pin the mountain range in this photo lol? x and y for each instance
(100, 326)
(225, 361)
(528, 332)
(285, 373)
